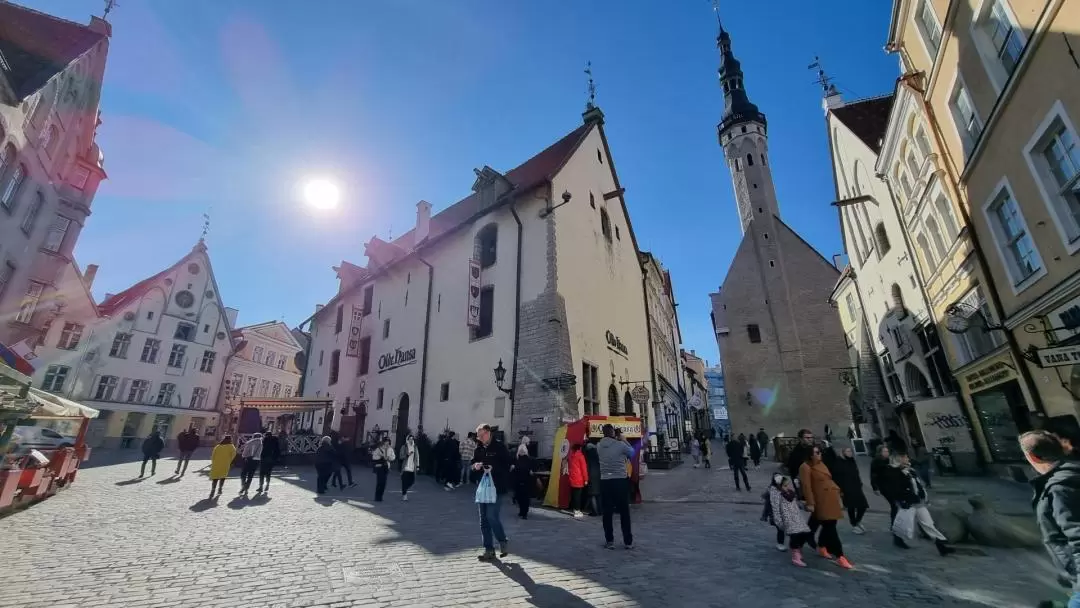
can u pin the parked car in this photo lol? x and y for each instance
(28, 438)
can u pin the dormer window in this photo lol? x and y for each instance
(487, 245)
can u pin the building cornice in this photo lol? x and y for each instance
(1057, 295)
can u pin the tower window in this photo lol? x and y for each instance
(738, 167)
(599, 157)
(754, 333)
(726, 88)
(749, 160)
(760, 210)
(605, 224)
(755, 186)
(744, 129)
(772, 264)
(766, 236)
(592, 200)
(762, 160)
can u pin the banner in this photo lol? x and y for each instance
(474, 294)
(353, 348)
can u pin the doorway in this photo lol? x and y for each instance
(402, 419)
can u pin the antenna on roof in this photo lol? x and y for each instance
(823, 79)
(390, 234)
(592, 86)
(109, 6)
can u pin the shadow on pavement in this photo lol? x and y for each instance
(168, 480)
(540, 595)
(204, 505)
(131, 482)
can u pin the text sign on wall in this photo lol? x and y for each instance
(630, 428)
(615, 344)
(1059, 356)
(353, 348)
(944, 425)
(995, 373)
(474, 294)
(396, 359)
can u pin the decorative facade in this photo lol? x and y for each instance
(50, 166)
(535, 273)
(669, 409)
(780, 340)
(264, 365)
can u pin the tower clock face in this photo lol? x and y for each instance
(185, 299)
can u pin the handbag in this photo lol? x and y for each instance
(904, 524)
(485, 490)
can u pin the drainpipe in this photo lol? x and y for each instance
(427, 331)
(1014, 346)
(517, 311)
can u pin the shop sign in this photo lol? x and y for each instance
(631, 428)
(473, 317)
(640, 395)
(1066, 316)
(695, 402)
(353, 348)
(396, 359)
(1059, 356)
(615, 344)
(944, 425)
(996, 372)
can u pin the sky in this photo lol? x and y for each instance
(226, 108)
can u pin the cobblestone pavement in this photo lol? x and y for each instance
(110, 541)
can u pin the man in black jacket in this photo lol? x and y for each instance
(151, 449)
(271, 454)
(737, 462)
(800, 453)
(1057, 504)
(492, 457)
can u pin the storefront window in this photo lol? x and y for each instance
(998, 424)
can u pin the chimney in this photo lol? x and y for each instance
(89, 274)
(318, 307)
(108, 295)
(423, 222)
(230, 314)
(101, 26)
(832, 99)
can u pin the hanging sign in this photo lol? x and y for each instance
(353, 348)
(640, 395)
(1059, 356)
(474, 294)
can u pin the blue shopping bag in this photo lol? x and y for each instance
(485, 490)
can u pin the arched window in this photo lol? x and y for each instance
(912, 162)
(897, 298)
(882, 239)
(922, 141)
(927, 254)
(605, 227)
(627, 404)
(487, 241)
(738, 167)
(612, 400)
(749, 160)
(7, 160)
(10, 192)
(762, 160)
(944, 209)
(935, 238)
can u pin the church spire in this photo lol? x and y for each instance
(737, 106)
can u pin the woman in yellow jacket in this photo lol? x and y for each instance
(221, 460)
(822, 497)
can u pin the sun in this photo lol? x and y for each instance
(321, 193)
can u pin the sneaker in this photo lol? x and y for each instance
(796, 558)
(609, 546)
(844, 563)
(780, 547)
(824, 553)
(405, 497)
(504, 548)
(629, 547)
(858, 530)
(578, 514)
(449, 486)
(486, 556)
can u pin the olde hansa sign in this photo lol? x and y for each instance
(396, 359)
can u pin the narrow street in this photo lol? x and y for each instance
(158, 543)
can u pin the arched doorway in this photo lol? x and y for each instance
(612, 400)
(628, 404)
(915, 384)
(402, 419)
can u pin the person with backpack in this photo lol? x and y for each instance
(151, 449)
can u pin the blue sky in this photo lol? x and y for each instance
(224, 107)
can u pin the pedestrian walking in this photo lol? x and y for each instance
(151, 449)
(763, 442)
(221, 460)
(896, 443)
(822, 497)
(410, 462)
(799, 455)
(451, 466)
(695, 451)
(438, 458)
(737, 463)
(920, 461)
(492, 458)
(326, 462)
(755, 451)
(578, 471)
(466, 449)
(788, 518)
(342, 454)
(902, 486)
(187, 442)
(381, 459)
(879, 468)
(845, 472)
(1057, 504)
(706, 452)
(271, 455)
(615, 486)
(523, 478)
(250, 454)
(592, 460)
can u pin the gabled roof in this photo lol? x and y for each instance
(266, 330)
(117, 301)
(35, 46)
(867, 119)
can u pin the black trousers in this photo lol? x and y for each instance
(615, 496)
(381, 471)
(407, 480)
(348, 472)
(266, 467)
(322, 477)
(153, 464)
(795, 541)
(182, 462)
(523, 499)
(248, 473)
(577, 499)
(830, 538)
(855, 515)
(216, 485)
(739, 466)
(814, 525)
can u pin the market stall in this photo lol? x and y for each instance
(590, 429)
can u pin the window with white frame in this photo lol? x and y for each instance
(165, 393)
(257, 354)
(207, 363)
(1012, 237)
(106, 387)
(54, 240)
(30, 302)
(70, 336)
(55, 377)
(150, 350)
(137, 391)
(922, 141)
(121, 343)
(198, 398)
(930, 262)
(10, 192)
(936, 239)
(912, 161)
(276, 391)
(237, 384)
(264, 388)
(967, 121)
(944, 209)
(852, 311)
(288, 392)
(176, 355)
(977, 340)
(929, 27)
(251, 382)
(998, 40)
(1054, 156)
(904, 180)
(32, 212)
(281, 362)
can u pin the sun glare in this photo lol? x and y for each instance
(321, 193)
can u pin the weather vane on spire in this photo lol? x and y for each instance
(592, 84)
(109, 6)
(205, 226)
(822, 79)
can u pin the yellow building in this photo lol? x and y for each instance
(982, 108)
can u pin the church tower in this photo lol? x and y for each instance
(743, 133)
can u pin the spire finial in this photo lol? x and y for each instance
(109, 6)
(592, 86)
(823, 79)
(716, 9)
(205, 227)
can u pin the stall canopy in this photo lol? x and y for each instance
(47, 404)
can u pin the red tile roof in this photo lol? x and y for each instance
(36, 46)
(867, 119)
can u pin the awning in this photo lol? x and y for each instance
(49, 404)
(16, 362)
(115, 406)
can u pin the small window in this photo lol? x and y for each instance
(184, 331)
(749, 160)
(365, 356)
(897, 299)
(54, 240)
(599, 157)
(206, 328)
(487, 241)
(744, 129)
(10, 192)
(882, 238)
(762, 160)
(176, 356)
(766, 235)
(121, 343)
(151, 348)
(386, 329)
(487, 314)
(149, 315)
(55, 376)
(207, 363)
(754, 333)
(339, 318)
(772, 263)
(738, 166)
(369, 292)
(617, 237)
(335, 362)
(605, 224)
(444, 392)
(592, 200)
(32, 212)
(379, 400)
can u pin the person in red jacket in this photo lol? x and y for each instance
(578, 470)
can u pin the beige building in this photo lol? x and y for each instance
(50, 165)
(670, 398)
(262, 366)
(982, 143)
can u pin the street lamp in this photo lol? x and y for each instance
(958, 318)
(500, 379)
